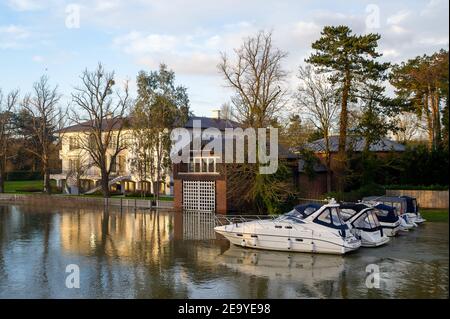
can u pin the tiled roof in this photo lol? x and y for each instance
(207, 122)
(357, 144)
(116, 123)
(107, 124)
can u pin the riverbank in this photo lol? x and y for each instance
(435, 215)
(71, 200)
(32, 187)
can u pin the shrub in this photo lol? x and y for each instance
(139, 194)
(357, 194)
(29, 189)
(419, 187)
(23, 176)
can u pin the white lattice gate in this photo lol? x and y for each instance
(199, 196)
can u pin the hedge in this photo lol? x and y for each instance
(23, 176)
(418, 187)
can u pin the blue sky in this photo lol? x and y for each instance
(134, 35)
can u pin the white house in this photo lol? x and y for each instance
(77, 165)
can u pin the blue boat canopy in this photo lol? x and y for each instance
(385, 207)
(307, 209)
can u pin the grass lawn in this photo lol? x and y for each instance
(36, 186)
(25, 187)
(435, 215)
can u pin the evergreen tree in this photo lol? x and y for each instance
(350, 59)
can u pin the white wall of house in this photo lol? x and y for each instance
(70, 154)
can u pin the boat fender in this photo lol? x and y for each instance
(243, 243)
(289, 244)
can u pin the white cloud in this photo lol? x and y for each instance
(25, 5)
(195, 63)
(106, 5)
(13, 36)
(38, 58)
(196, 53)
(390, 53)
(398, 17)
(138, 43)
(435, 41)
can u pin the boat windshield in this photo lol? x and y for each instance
(347, 213)
(382, 212)
(292, 216)
(336, 217)
(414, 202)
(331, 216)
(368, 220)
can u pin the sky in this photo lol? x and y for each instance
(62, 38)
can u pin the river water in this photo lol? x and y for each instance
(145, 254)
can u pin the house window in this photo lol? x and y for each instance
(113, 165)
(92, 141)
(122, 164)
(73, 143)
(212, 165)
(74, 164)
(197, 167)
(202, 165)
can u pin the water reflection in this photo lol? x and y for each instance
(316, 273)
(148, 254)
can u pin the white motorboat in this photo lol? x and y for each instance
(400, 205)
(388, 218)
(307, 228)
(412, 210)
(363, 222)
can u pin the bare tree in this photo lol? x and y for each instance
(316, 96)
(257, 77)
(7, 105)
(45, 113)
(226, 111)
(102, 116)
(78, 168)
(408, 127)
(142, 163)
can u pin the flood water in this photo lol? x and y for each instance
(144, 254)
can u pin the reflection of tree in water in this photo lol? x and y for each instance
(155, 254)
(3, 238)
(123, 241)
(31, 224)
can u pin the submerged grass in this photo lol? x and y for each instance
(435, 215)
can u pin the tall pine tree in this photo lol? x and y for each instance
(350, 60)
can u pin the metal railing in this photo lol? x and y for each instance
(223, 220)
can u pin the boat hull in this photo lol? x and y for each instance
(391, 229)
(382, 241)
(415, 218)
(291, 244)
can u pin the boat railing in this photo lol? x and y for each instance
(222, 220)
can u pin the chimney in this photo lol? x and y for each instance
(216, 114)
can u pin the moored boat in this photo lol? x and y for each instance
(307, 228)
(363, 222)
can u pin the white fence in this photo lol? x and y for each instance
(425, 198)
